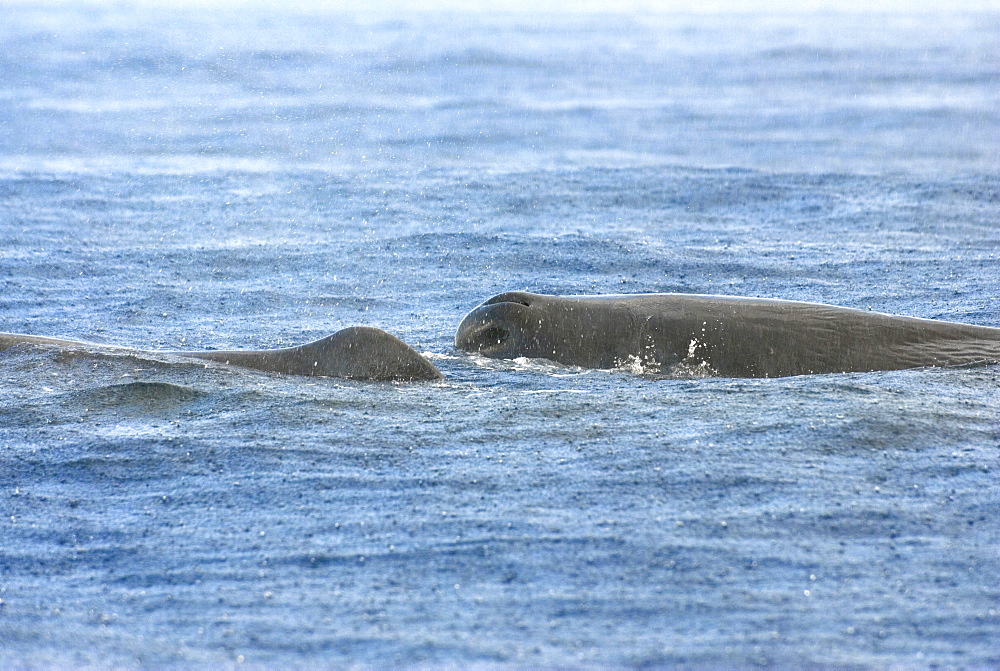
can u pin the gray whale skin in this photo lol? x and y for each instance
(733, 336)
(355, 353)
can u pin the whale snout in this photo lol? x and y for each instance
(487, 336)
(481, 337)
(490, 330)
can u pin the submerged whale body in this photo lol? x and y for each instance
(731, 336)
(355, 353)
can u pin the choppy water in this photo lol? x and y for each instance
(258, 178)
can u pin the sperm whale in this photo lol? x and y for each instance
(732, 336)
(355, 353)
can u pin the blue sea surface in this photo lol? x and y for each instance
(220, 177)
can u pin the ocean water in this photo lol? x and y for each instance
(221, 177)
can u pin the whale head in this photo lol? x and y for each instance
(503, 328)
(570, 330)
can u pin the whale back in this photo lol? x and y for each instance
(744, 337)
(355, 353)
